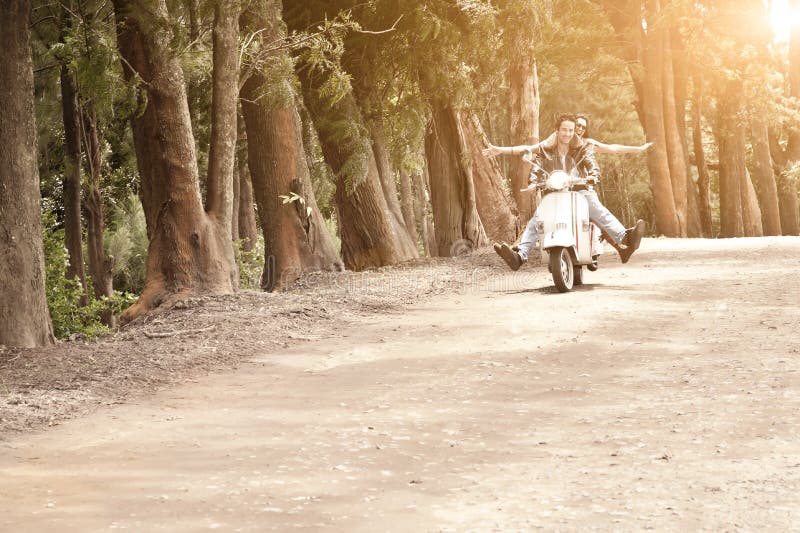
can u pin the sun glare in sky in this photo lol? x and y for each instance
(783, 18)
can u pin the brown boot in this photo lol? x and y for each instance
(623, 251)
(632, 240)
(633, 236)
(512, 258)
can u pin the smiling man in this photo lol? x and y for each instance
(570, 153)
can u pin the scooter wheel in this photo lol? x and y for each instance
(562, 269)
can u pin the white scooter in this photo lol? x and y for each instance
(566, 234)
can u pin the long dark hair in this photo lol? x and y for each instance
(586, 119)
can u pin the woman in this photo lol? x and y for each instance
(581, 128)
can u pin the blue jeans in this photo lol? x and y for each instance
(598, 213)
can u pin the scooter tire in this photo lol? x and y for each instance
(562, 268)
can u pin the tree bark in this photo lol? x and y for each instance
(704, 179)
(731, 161)
(667, 220)
(382, 159)
(790, 217)
(494, 204)
(787, 188)
(767, 188)
(73, 231)
(407, 204)
(295, 237)
(190, 249)
(23, 306)
(368, 234)
(524, 111)
(455, 216)
(244, 214)
(793, 148)
(425, 215)
(672, 133)
(101, 267)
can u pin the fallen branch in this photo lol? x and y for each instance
(164, 334)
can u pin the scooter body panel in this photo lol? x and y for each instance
(564, 219)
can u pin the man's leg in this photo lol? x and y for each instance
(515, 258)
(626, 241)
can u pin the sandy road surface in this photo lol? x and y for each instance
(663, 395)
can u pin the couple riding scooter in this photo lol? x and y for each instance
(570, 154)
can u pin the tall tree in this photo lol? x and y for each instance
(704, 178)
(739, 212)
(765, 176)
(26, 321)
(788, 187)
(674, 137)
(295, 237)
(524, 96)
(495, 206)
(190, 249)
(455, 214)
(73, 232)
(668, 220)
(244, 215)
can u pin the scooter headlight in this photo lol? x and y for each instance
(558, 180)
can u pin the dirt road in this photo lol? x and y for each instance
(664, 394)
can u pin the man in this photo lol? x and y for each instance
(569, 152)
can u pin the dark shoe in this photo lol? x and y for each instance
(633, 236)
(625, 252)
(512, 258)
(632, 240)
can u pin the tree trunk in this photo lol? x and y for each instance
(100, 266)
(787, 199)
(407, 204)
(424, 214)
(751, 213)
(491, 199)
(295, 237)
(368, 234)
(794, 84)
(455, 216)
(23, 305)
(236, 207)
(704, 179)
(681, 74)
(790, 217)
(667, 220)
(73, 231)
(524, 111)
(767, 189)
(381, 151)
(244, 214)
(190, 249)
(731, 161)
(675, 155)
(787, 189)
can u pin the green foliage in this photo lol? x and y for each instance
(64, 295)
(250, 263)
(127, 242)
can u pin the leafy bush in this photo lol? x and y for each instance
(64, 295)
(250, 263)
(127, 242)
